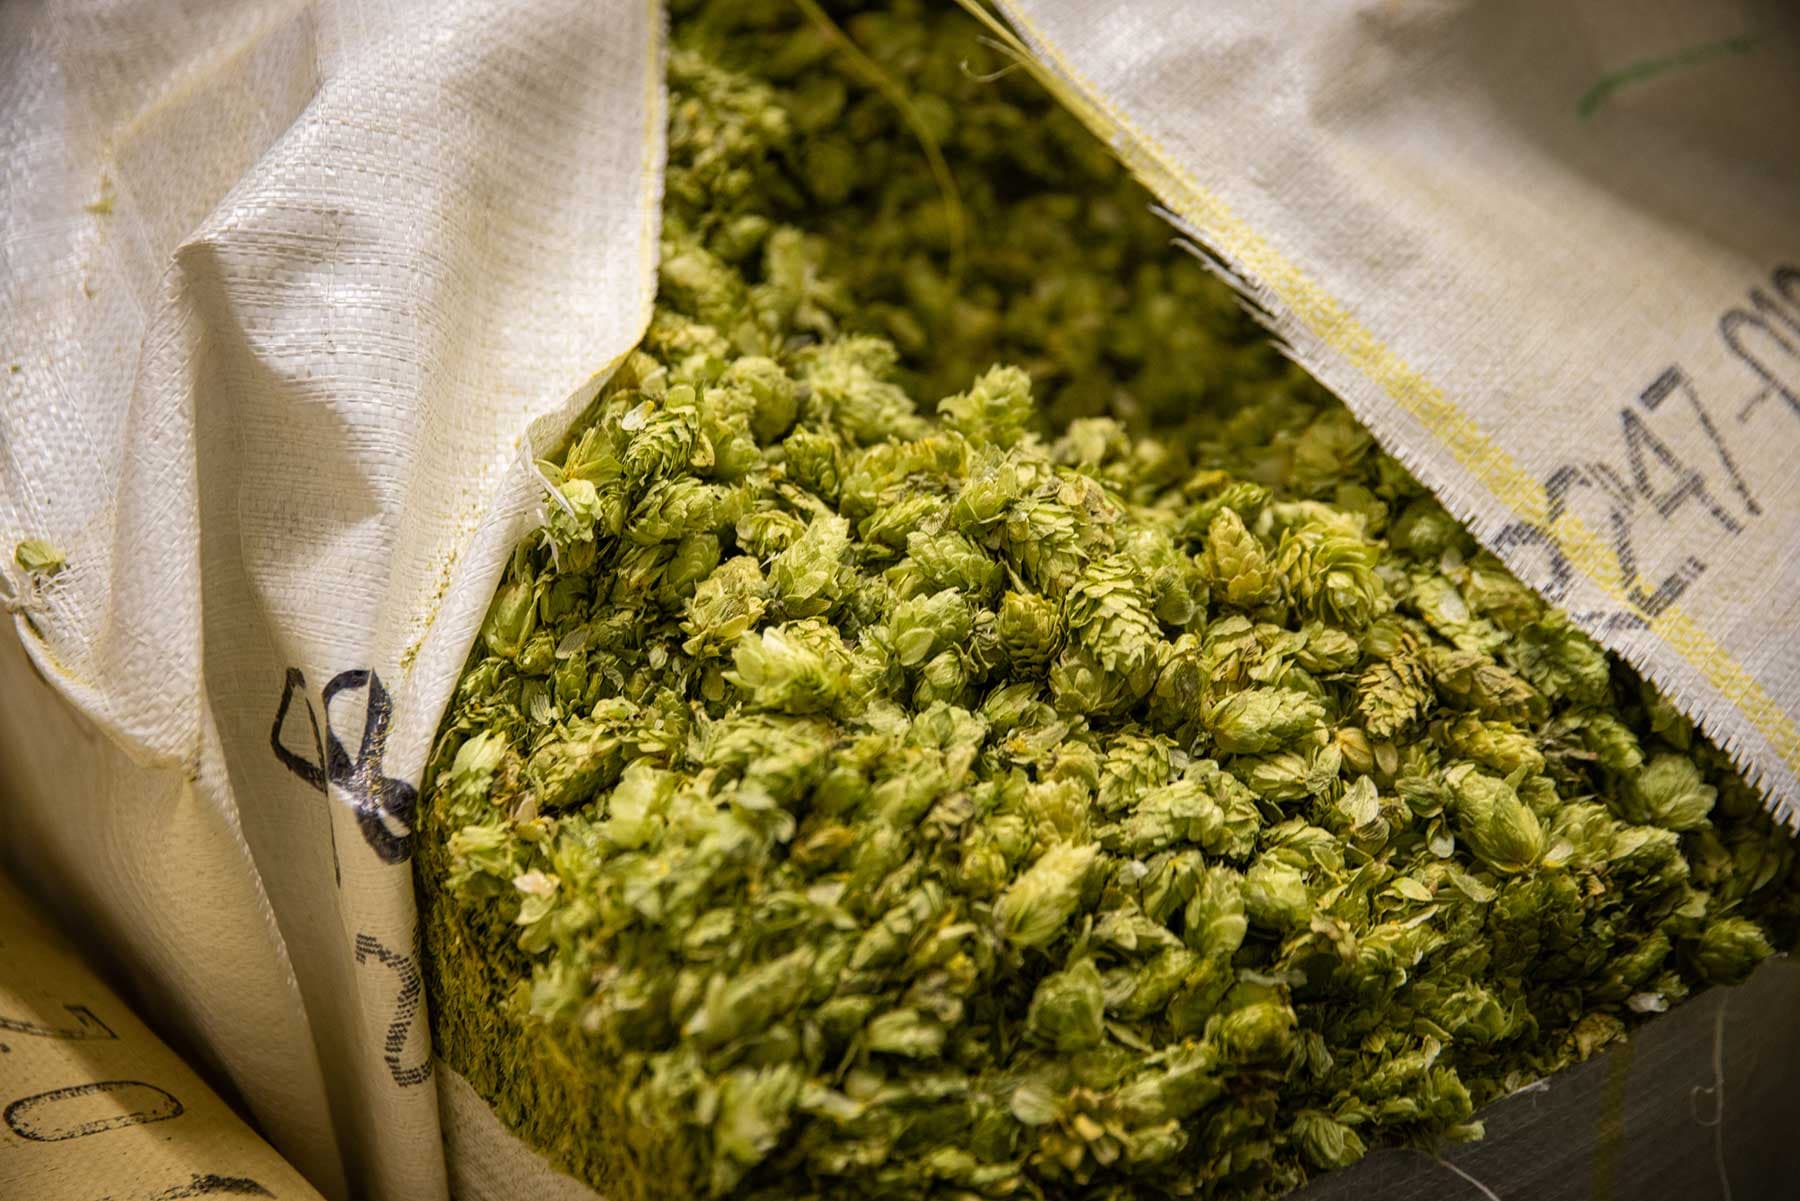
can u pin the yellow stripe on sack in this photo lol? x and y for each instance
(1333, 324)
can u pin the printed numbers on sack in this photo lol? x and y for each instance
(1673, 486)
(383, 805)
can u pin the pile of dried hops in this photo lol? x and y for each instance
(1106, 774)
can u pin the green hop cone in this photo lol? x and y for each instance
(974, 720)
(1235, 564)
(997, 409)
(511, 618)
(1668, 792)
(800, 667)
(1729, 950)
(1260, 1032)
(1037, 906)
(1327, 1142)
(1263, 719)
(1275, 894)
(1068, 1008)
(1029, 629)
(1216, 920)
(1499, 828)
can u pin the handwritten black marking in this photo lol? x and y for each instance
(384, 806)
(86, 1026)
(1779, 332)
(310, 770)
(65, 1113)
(211, 1184)
(1675, 378)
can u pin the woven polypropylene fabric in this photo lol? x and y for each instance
(292, 290)
(1547, 252)
(487, 1161)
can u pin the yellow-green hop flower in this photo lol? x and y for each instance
(1669, 792)
(1068, 1008)
(1498, 827)
(1235, 565)
(1036, 907)
(1729, 948)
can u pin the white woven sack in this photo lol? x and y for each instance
(1549, 252)
(291, 289)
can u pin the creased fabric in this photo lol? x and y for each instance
(292, 290)
(1549, 253)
